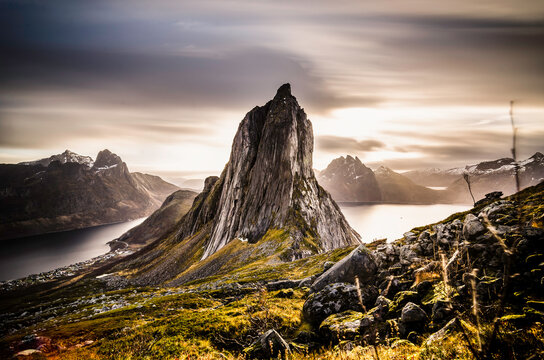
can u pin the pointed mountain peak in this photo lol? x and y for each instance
(107, 159)
(284, 91)
(269, 183)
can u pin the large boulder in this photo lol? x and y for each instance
(343, 326)
(412, 313)
(337, 298)
(412, 318)
(268, 345)
(472, 227)
(359, 263)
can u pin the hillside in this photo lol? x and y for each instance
(417, 300)
(487, 176)
(349, 180)
(70, 191)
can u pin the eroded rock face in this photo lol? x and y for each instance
(269, 183)
(337, 298)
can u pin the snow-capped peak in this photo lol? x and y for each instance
(66, 157)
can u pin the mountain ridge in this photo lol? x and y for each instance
(267, 203)
(70, 191)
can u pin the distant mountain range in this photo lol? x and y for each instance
(349, 180)
(71, 191)
(487, 176)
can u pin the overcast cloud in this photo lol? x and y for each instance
(164, 84)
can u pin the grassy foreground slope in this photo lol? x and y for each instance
(219, 315)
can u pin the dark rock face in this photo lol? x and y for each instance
(69, 191)
(359, 263)
(269, 183)
(412, 313)
(348, 179)
(337, 298)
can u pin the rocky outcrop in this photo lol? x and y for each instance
(269, 183)
(425, 280)
(70, 191)
(348, 179)
(269, 345)
(266, 204)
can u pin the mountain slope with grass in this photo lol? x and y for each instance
(438, 293)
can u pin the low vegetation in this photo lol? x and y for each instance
(220, 316)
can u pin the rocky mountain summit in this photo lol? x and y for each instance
(71, 191)
(266, 195)
(349, 180)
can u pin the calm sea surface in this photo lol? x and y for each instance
(391, 221)
(36, 254)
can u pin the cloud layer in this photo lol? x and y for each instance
(159, 81)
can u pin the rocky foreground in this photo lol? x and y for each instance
(468, 287)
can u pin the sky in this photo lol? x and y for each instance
(164, 84)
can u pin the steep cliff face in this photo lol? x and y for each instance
(269, 183)
(348, 179)
(265, 206)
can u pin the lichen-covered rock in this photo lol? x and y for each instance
(282, 284)
(268, 345)
(472, 227)
(342, 326)
(413, 313)
(334, 299)
(359, 263)
(401, 299)
(407, 255)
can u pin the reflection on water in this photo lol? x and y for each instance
(35, 254)
(391, 221)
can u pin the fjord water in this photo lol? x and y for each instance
(378, 221)
(36, 254)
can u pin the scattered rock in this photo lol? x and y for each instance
(359, 263)
(282, 284)
(472, 227)
(334, 299)
(343, 326)
(268, 345)
(413, 313)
